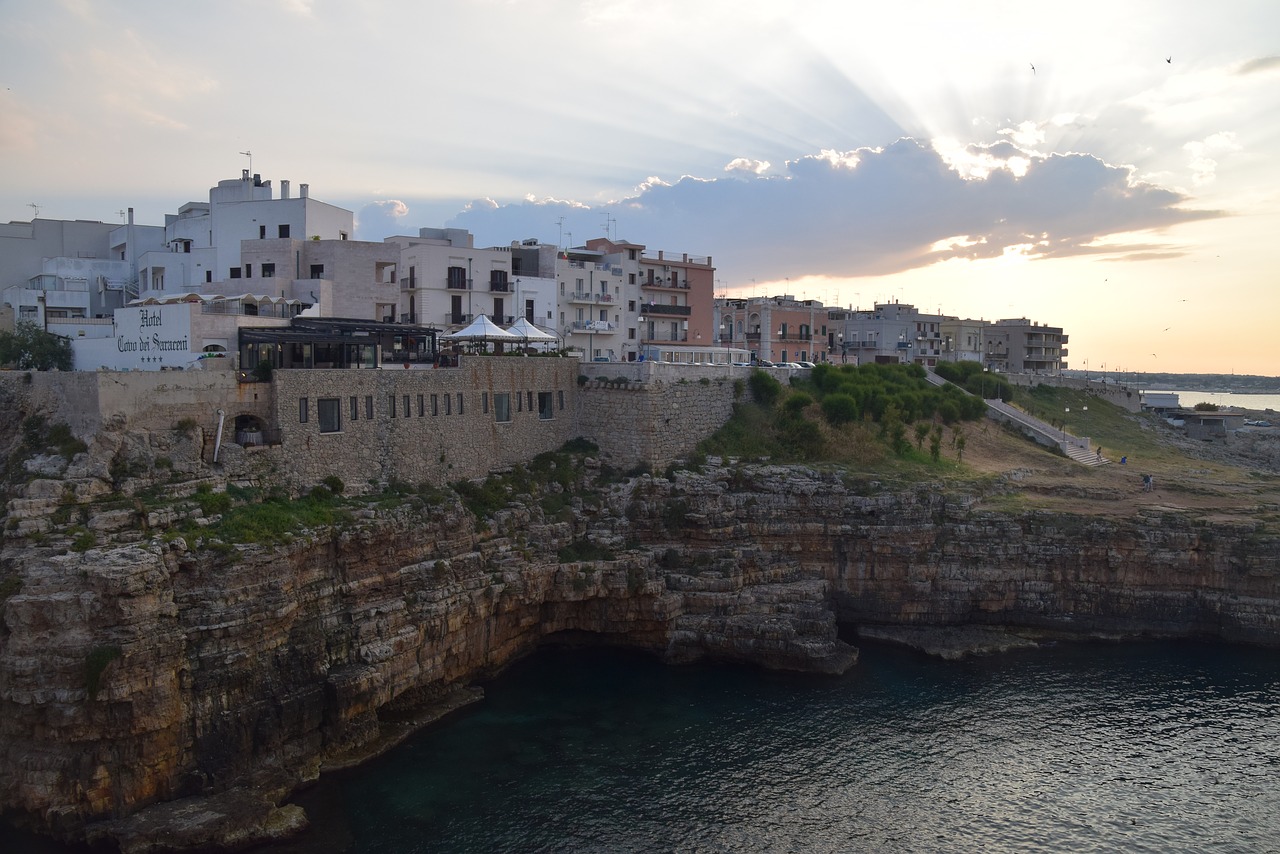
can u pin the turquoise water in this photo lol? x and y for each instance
(1141, 747)
(1148, 747)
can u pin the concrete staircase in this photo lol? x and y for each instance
(1075, 447)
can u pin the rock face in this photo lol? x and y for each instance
(149, 673)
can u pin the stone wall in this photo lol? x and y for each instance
(88, 401)
(653, 422)
(422, 426)
(443, 425)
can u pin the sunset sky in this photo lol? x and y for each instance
(1111, 168)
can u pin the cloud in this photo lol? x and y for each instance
(301, 8)
(1203, 153)
(871, 212)
(381, 219)
(1266, 63)
(745, 164)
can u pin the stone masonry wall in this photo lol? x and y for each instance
(427, 426)
(653, 422)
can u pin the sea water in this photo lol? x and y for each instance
(1079, 747)
(1143, 747)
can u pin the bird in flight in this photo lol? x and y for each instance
(1169, 59)
(1033, 68)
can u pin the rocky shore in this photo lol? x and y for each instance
(164, 696)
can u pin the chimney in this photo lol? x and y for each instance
(304, 191)
(284, 189)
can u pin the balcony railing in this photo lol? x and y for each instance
(500, 287)
(674, 338)
(407, 284)
(666, 310)
(594, 326)
(462, 285)
(666, 286)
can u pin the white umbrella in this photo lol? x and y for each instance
(481, 329)
(526, 329)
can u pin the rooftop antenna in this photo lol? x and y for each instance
(569, 234)
(560, 223)
(609, 223)
(249, 154)
(120, 213)
(35, 208)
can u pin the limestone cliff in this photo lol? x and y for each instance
(160, 670)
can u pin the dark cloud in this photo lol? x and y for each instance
(865, 212)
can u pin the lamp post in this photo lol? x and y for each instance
(1066, 412)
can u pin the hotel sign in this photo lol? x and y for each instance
(155, 335)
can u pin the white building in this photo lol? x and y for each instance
(69, 274)
(202, 244)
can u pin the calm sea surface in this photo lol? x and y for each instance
(1150, 747)
(1139, 747)
(1243, 401)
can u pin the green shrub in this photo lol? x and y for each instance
(83, 540)
(764, 388)
(334, 484)
(840, 408)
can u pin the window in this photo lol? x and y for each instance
(457, 278)
(422, 406)
(448, 404)
(405, 401)
(342, 235)
(631, 304)
(208, 275)
(248, 271)
(435, 405)
(355, 408)
(262, 232)
(268, 271)
(459, 403)
(329, 411)
(631, 333)
(317, 271)
(529, 397)
(484, 402)
(501, 407)
(282, 231)
(302, 410)
(368, 406)
(519, 402)
(235, 272)
(391, 404)
(545, 410)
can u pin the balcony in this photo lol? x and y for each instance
(594, 326)
(457, 284)
(500, 287)
(586, 296)
(654, 309)
(407, 284)
(663, 285)
(450, 317)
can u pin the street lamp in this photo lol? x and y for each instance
(1067, 412)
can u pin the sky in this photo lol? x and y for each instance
(1112, 168)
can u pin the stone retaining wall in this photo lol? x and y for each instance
(422, 426)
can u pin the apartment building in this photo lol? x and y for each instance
(776, 329)
(446, 282)
(203, 240)
(68, 276)
(893, 332)
(1020, 346)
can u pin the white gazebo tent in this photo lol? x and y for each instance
(530, 333)
(482, 329)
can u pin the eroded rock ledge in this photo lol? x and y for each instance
(168, 698)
